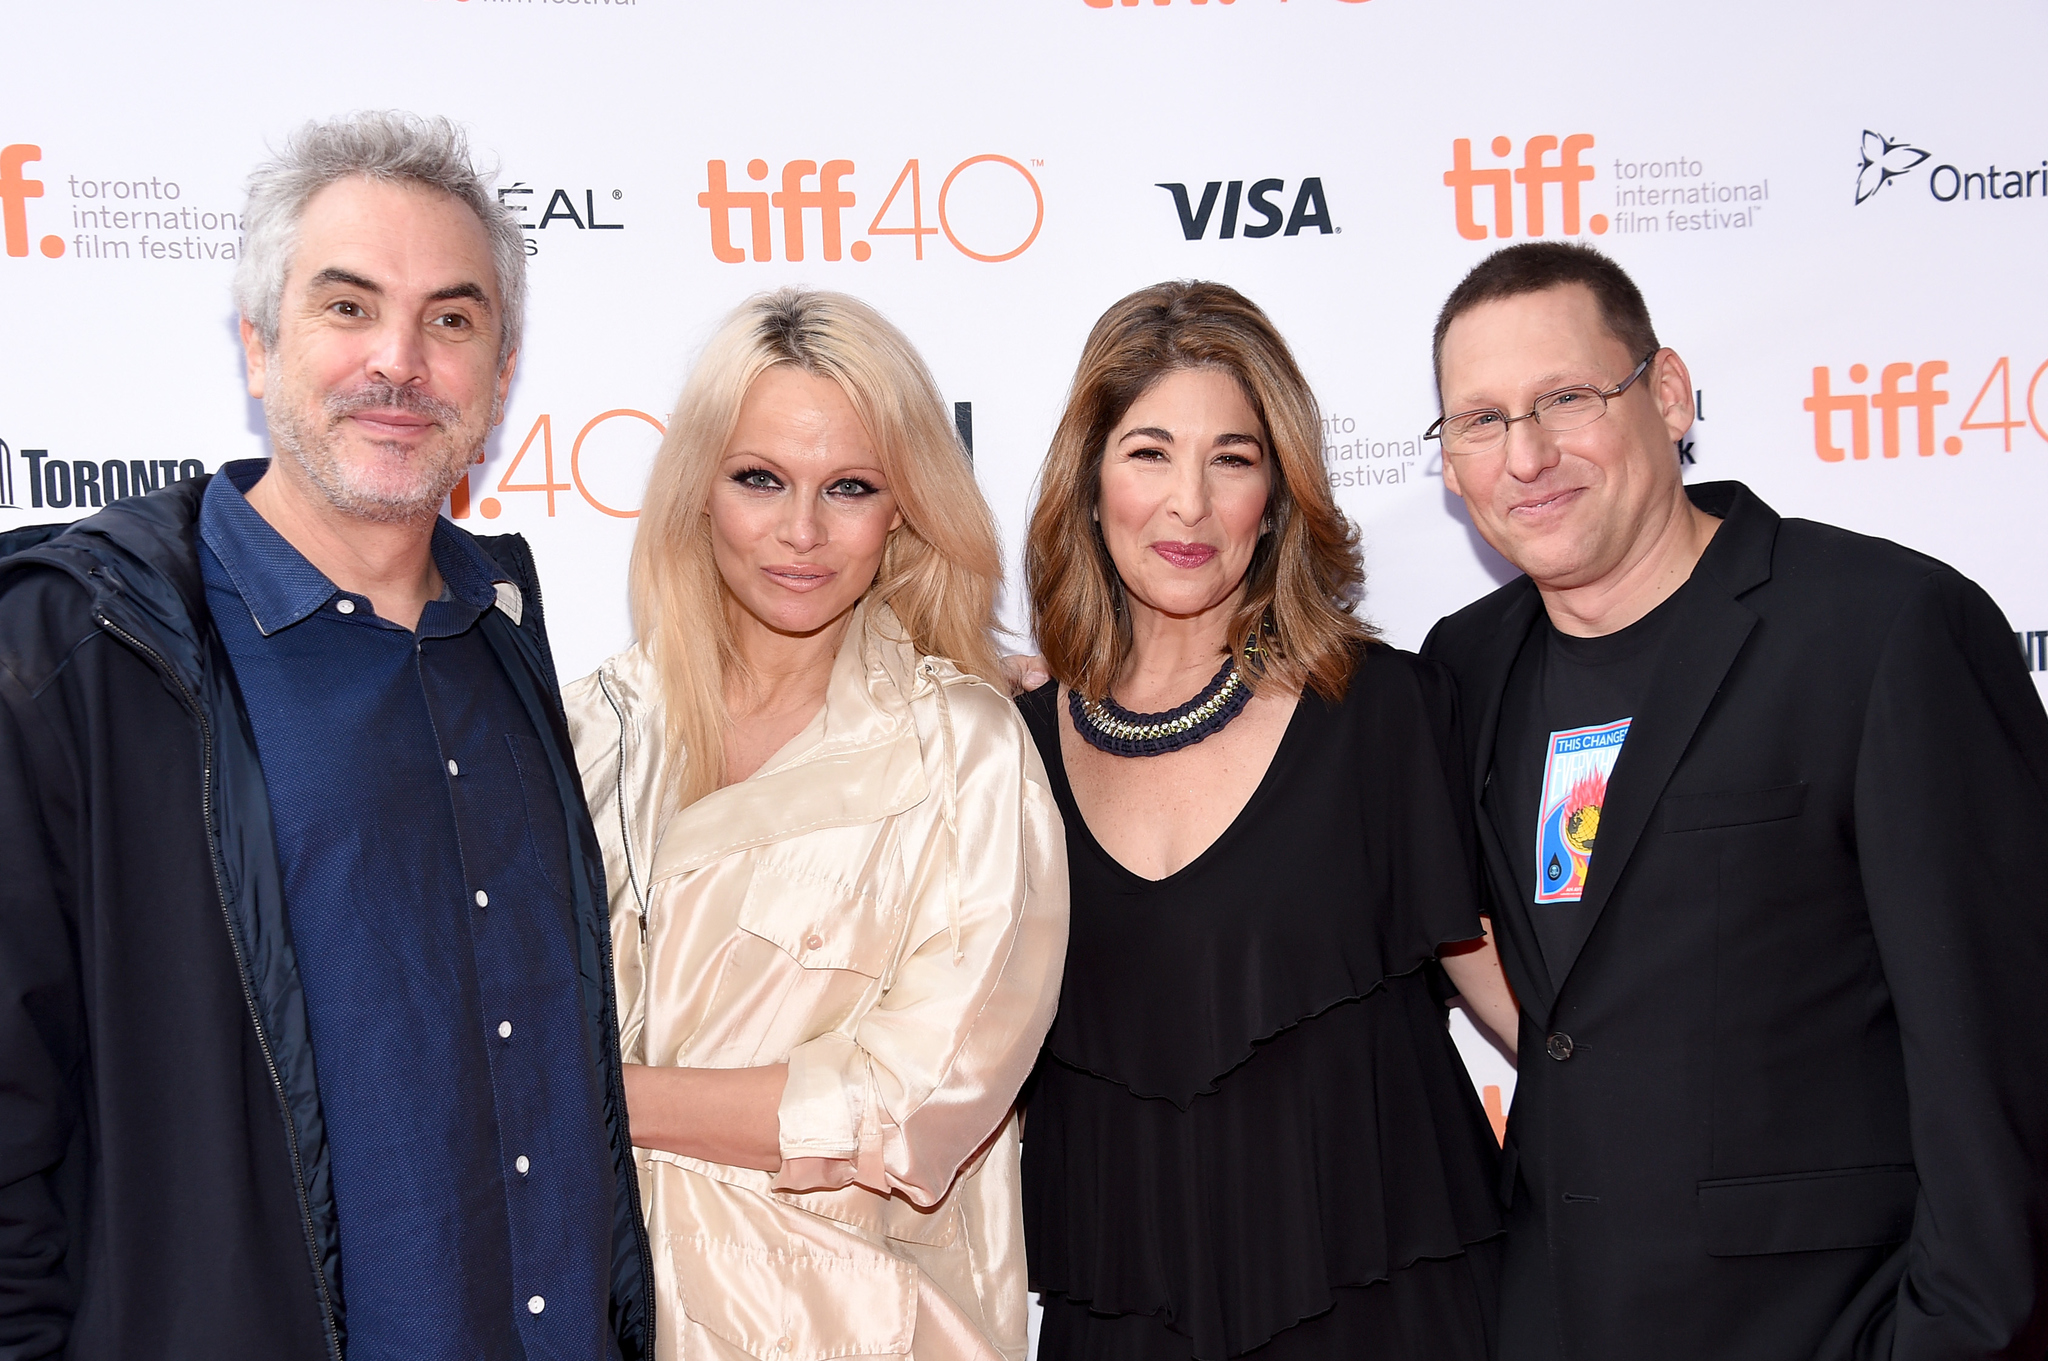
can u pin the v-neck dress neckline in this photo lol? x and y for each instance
(1275, 774)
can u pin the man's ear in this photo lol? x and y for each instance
(253, 351)
(504, 386)
(1450, 472)
(1673, 391)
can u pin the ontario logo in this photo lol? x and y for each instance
(16, 190)
(989, 208)
(1884, 160)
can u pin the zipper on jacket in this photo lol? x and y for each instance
(619, 798)
(242, 972)
(615, 1076)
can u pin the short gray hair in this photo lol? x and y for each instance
(385, 146)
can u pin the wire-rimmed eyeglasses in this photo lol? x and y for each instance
(1568, 408)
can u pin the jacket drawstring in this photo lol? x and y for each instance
(948, 801)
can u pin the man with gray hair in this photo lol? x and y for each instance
(307, 1039)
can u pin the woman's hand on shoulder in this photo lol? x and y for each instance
(1024, 672)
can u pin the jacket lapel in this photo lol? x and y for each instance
(821, 789)
(1511, 919)
(1708, 634)
(859, 760)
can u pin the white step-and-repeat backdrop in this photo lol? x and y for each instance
(1836, 211)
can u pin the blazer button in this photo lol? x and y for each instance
(1558, 1046)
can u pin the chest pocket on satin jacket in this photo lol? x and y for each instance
(820, 923)
(547, 835)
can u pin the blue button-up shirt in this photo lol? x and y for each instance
(425, 859)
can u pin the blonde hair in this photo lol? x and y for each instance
(1304, 578)
(940, 568)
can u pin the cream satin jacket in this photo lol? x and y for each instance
(883, 906)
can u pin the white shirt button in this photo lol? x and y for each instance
(504, 1030)
(344, 606)
(521, 1163)
(483, 899)
(535, 1305)
(454, 769)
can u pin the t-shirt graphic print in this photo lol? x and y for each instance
(1576, 767)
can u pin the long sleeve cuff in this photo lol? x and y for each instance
(830, 1121)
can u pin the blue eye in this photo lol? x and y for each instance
(757, 479)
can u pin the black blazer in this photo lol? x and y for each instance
(1791, 1099)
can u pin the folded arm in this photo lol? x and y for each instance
(722, 1115)
(903, 1096)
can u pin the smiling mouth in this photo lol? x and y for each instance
(1550, 502)
(391, 424)
(1185, 554)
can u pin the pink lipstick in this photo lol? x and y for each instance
(1184, 554)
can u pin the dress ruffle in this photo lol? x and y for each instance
(1222, 972)
(1332, 1158)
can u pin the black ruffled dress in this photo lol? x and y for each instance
(1249, 1128)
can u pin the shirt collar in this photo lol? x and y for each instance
(281, 587)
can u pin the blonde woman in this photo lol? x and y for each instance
(838, 881)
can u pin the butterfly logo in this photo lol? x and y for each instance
(1883, 161)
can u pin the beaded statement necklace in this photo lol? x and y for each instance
(1110, 727)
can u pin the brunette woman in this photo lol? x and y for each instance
(1250, 1132)
(839, 893)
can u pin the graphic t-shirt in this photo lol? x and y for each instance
(1564, 720)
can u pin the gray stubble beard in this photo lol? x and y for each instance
(315, 455)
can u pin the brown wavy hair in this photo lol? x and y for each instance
(1304, 579)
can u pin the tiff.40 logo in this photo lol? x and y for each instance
(1535, 174)
(1909, 387)
(15, 192)
(829, 196)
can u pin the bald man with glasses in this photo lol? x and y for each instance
(1764, 812)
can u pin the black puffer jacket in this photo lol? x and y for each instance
(163, 1166)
